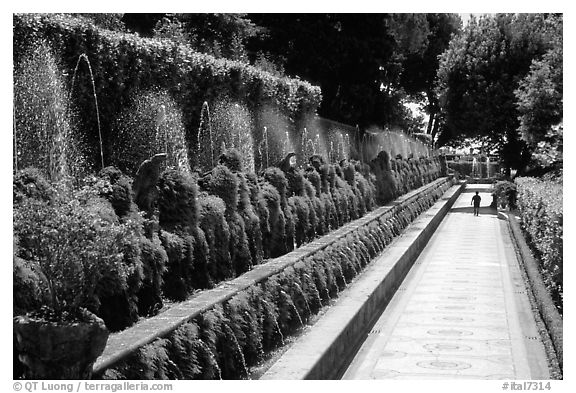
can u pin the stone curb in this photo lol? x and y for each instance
(325, 351)
(548, 312)
(122, 344)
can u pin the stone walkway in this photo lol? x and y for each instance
(462, 311)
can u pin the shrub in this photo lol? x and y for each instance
(540, 205)
(386, 185)
(26, 284)
(30, 183)
(506, 193)
(274, 241)
(227, 339)
(177, 196)
(75, 248)
(180, 265)
(217, 232)
(300, 206)
(225, 184)
(251, 220)
(245, 324)
(276, 178)
(116, 187)
(217, 333)
(154, 266)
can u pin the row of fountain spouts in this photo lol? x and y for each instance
(309, 146)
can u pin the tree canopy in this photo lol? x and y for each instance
(364, 63)
(494, 75)
(367, 65)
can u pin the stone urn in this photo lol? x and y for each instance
(59, 350)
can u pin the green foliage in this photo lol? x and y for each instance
(355, 58)
(251, 219)
(180, 265)
(76, 244)
(227, 339)
(154, 263)
(278, 180)
(273, 240)
(119, 302)
(31, 183)
(221, 35)
(215, 227)
(152, 362)
(289, 319)
(539, 93)
(540, 205)
(26, 285)
(267, 312)
(420, 67)
(107, 20)
(549, 152)
(224, 184)
(260, 208)
(244, 321)
(177, 196)
(385, 182)
(216, 332)
(300, 207)
(480, 73)
(117, 189)
(123, 64)
(184, 348)
(506, 193)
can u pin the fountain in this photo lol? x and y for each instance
(85, 57)
(232, 124)
(43, 132)
(487, 166)
(263, 150)
(286, 145)
(475, 168)
(151, 125)
(276, 136)
(205, 142)
(308, 147)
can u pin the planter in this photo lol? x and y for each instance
(52, 350)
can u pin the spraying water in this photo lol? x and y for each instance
(205, 142)
(152, 125)
(43, 133)
(475, 168)
(232, 126)
(83, 56)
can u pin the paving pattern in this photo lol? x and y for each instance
(462, 311)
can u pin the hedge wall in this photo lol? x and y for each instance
(540, 205)
(225, 341)
(218, 226)
(125, 64)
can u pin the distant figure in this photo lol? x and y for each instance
(476, 201)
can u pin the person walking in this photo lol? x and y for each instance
(476, 201)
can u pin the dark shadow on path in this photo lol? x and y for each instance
(484, 210)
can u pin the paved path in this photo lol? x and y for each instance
(462, 311)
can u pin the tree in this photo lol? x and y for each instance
(419, 68)
(540, 96)
(478, 77)
(142, 24)
(221, 35)
(355, 58)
